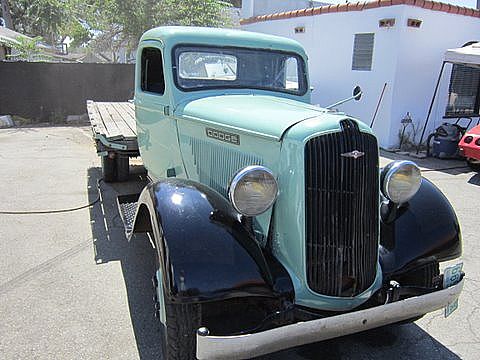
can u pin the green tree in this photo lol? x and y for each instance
(107, 25)
(27, 49)
(122, 22)
(138, 16)
(40, 17)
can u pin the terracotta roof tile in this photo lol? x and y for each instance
(428, 4)
(469, 12)
(420, 3)
(359, 6)
(342, 7)
(371, 5)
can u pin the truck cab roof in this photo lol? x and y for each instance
(173, 35)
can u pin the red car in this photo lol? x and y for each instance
(469, 147)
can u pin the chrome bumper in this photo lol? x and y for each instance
(251, 345)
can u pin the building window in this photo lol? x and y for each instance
(463, 92)
(363, 52)
(152, 79)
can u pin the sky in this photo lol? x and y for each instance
(466, 3)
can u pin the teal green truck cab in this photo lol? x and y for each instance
(272, 222)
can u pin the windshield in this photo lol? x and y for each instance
(198, 68)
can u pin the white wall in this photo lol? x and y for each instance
(328, 41)
(407, 59)
(420, 55)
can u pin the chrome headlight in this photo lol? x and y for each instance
(253, 190)
(401, 181)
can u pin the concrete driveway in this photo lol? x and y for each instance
(72, 287)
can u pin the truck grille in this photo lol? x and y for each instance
(341, 211)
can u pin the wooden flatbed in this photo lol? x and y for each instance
(115, 134)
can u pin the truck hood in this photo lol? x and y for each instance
(262, 115)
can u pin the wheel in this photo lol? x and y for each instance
(474, 164)
(178, 322)
(123, 168)
(109, 169)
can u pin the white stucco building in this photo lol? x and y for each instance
(400, 43)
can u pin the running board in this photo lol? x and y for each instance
(127, 207)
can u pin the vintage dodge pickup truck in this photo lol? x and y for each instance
(273, 225)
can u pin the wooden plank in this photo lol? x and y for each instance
(95, 118)
(125, 116)
(129, 114)
(118, 119)
(113, 131)
(129, 108)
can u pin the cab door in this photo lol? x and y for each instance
(156, 128)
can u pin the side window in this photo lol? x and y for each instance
(463, 92)
(152, 79)
(363, 52)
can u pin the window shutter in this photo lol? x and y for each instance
(363, 52)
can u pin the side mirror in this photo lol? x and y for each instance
(357, 93)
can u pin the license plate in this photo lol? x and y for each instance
(451, 276)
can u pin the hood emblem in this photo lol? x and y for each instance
(353, 154)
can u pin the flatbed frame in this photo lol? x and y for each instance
(115, 134)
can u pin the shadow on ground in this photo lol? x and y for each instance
(389, 342)
(449, 166)
(137, 263)
(475, 179)
(135, 257)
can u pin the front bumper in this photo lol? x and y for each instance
(251, 345)
(470, 152)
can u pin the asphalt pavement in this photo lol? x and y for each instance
(72, 287)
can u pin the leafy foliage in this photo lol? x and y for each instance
(43, 18)
(107, 25)
(26, 49)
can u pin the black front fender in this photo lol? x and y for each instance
(205, 251)
(426, 227)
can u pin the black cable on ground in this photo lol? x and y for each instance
(55, 211)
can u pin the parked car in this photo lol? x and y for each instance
(469, 147)
(272, 222)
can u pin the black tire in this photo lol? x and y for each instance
(123, 168)
(109, 169)
(475, 166)
(178, 333)
(182, 323)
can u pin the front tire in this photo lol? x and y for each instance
(179, 324)
(182, 323)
